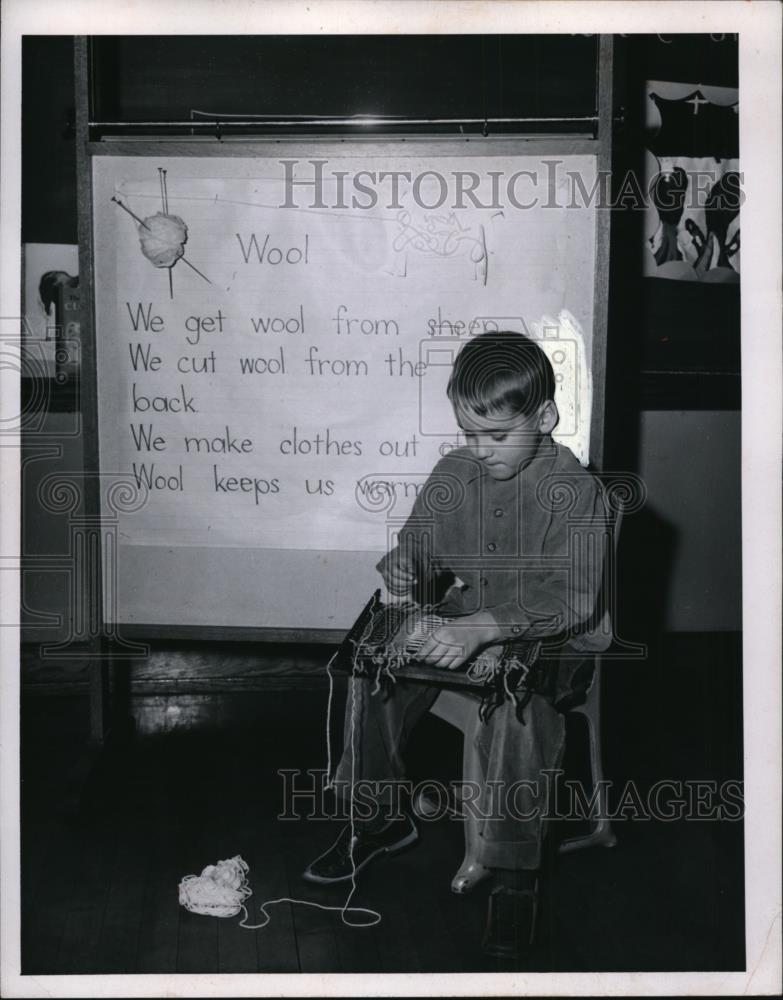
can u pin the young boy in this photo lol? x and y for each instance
(510, 529)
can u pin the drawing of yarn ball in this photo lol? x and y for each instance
(163, 239)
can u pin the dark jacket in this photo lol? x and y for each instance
(530, 550)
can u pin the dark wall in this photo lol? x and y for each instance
(435, 76)
(709, 59)
(673, 386)
(48, 154)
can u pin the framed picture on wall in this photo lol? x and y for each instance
(691, 346)
(693, 176)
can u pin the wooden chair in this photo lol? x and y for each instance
(460, 709)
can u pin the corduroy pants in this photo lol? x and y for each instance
(517, 764)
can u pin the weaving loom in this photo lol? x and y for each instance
(383, 642)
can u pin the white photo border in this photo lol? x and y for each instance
(759, 28)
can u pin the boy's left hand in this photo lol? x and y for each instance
(457, 642)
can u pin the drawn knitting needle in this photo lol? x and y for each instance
(141, 222)
(164, 190)
(171, 282)
(185, 259)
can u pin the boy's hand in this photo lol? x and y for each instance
(398, 573)
(454, 644)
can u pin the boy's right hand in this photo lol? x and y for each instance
(398, 573)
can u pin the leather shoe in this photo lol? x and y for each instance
(349, 855)
(511, 922)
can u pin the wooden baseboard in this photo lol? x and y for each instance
(192, 668)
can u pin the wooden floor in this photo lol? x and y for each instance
(100, 890)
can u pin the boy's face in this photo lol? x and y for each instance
(506, 442)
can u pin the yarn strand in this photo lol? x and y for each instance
(221, 890)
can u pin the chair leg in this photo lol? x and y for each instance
(601, 834)
(470, 873)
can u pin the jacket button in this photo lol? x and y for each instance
(483, 581)
(499, 512)
(516, 629)
(491, 546)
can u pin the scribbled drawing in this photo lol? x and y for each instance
(440, 236)
(163, 236)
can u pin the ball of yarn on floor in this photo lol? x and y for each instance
(219, 891)
(163, 239)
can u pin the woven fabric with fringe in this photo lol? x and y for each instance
(383, 643)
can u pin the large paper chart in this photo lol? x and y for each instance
(270, 373)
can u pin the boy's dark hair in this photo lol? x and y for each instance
(501, 371)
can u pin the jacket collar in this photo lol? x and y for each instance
(547, 451)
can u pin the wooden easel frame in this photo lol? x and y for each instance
(600, 146)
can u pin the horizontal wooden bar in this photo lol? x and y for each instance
(328, 145)
(259, 684)
(282, 121)
(230, 633)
